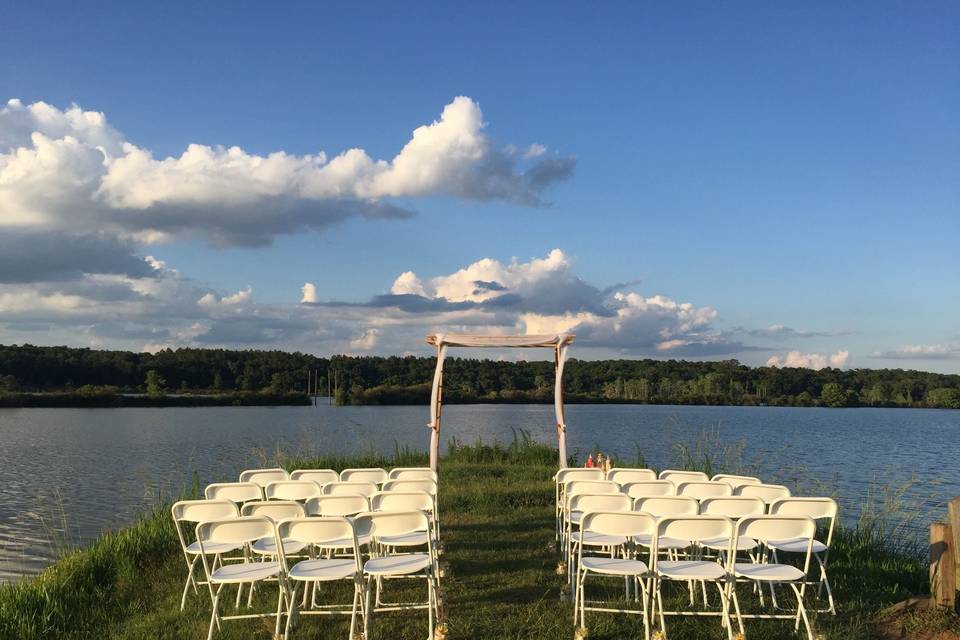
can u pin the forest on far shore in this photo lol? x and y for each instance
(250, 374)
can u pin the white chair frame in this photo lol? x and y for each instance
(194, 512)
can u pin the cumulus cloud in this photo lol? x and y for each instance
(366, 341)
(70, 170)
(810, 360)
(309, 291)
(943, 351)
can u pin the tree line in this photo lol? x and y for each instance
(406, 380)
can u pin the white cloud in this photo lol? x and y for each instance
(407, 283)
(810, 360)
(366, 341)
(942, 351)
(211, 300)
(309, 291)
(70, 170)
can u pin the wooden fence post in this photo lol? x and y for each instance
(953, 513)
(943, 585)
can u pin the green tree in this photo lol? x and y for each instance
(833, 395)
(218, 380)
(9, 383)
(943, 398)
(155, 383)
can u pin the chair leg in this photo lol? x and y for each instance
(801, 612)
(186, 586)
(353, 611)
(214, 614)
(825, 583)
(293, 609)
(583, 604)
(736, 606)
(368, 608)
(281, 589)
(429, 607)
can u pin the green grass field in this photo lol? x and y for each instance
(497, 526)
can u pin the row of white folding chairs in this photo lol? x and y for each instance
(376, 475)
(622, 528)
(195, 512)
(820, 509)
(230, 531)
(305, 489)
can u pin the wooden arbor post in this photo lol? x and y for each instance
(945, 558)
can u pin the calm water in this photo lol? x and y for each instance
(68, 474)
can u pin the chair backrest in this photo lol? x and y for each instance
(428, 486)
(733, 507)
(264, 476)
(623, 476)
(769, 493)
(735, 480)
(275, 510)
(677, 476)
(600, 502)
(338, 505)
(701, 490)
(401, 501)
(665, 506)
(568, 474)
(292, 490)
(320, 476)
(204, 510)
(649, 488)
(816, 508)
(233, 491)
(625, 524)
(320, 531)
(372, 474)
(695, 528)
(413, 473)
(392, 523)
(242, 530)
(342, 488)
(574, 487)
(194, 511)
(780, 527)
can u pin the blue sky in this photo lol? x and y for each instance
(789, 167)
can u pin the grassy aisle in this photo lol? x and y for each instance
(497, 524)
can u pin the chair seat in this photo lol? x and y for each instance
(767, 572)
(666, 542)
(245, 572)
(409, 540)
(796, 545)
(211, 547)
(593, 539)
(268, 546)
(333, 569)
(690, 569)
(397, 565)
(722, 544)
(613, 566)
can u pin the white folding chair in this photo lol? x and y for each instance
(677, 476)
(649, 488)
(428, 486)
(338, 505)
(735, 508)
(622, 526)
(375, 475)
(665, 507)
(568, 474)
(623, 476)
(194, 512)
(413, 473)
(237, 492)
(241, 531)
(276, 510)
(264, 476)
(702, 490)
(769, 493)
(298, 490)
(818, 509)
(582, 503)
(384, 564)
(407, 501)
(735, 480)
(320, 476)
(574, 487)
(323, 532)
(776, 527)
(696, 529)
(349, 488)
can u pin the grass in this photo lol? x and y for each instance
(497, 526)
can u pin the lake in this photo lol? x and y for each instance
(68, 474)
